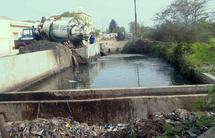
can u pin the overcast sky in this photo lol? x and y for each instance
(102, 11)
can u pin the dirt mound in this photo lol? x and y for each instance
(39, 46)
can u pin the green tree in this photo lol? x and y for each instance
(121, 33)
(142, 31)
(183, 20)
(113, 26)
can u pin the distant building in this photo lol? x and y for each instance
(108, 36)
(87, 19)
(11, 30)
(83, 16)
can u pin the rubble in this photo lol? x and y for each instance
(179, 123)
(52, 128)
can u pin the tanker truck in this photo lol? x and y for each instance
(64, 29)
(56, 30)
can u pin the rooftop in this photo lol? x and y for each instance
(5, 18)
(83, 13)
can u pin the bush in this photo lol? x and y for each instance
(208, 103)
(187, 58)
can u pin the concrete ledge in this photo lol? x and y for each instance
(209, 78)
(206, 78)
(105, 93)
(98, 111)
(209, 134)
(100, 106)
(101, 99)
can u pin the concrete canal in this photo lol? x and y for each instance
(116, 88)
(115, 71)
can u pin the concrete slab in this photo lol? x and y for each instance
(209, 134)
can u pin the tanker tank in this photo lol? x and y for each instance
(65, 29)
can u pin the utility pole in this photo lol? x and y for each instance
(135, 11)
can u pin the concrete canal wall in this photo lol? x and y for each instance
(21, 70)
(100, 106)
(206, 78)
(112, 47)
(91, 51)
(98, 111)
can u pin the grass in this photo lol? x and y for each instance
(188, 127)
(205, 103)
(188, 58)
(203, 56)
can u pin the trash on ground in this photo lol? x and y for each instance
(180, 123)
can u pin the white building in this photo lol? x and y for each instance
(87, 19)
(108, 36)
(83, 16)
(10, 30)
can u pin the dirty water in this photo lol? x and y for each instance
(115, 71)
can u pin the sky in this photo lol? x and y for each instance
(102, 11)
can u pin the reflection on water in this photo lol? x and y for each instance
(115, 71)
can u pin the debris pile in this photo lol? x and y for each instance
(54, 128)
(180, 123)
(35, 46)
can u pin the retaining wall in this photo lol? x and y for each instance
(206, 78)
(100, 111)
(91, 51)
(100, 106)
(19, 71)
(112, 47)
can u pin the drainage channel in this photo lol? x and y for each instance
(100, 106)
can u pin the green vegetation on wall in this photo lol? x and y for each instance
(203, 56)
(187, 57)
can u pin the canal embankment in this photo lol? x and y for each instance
(195, 61)
(23, 70)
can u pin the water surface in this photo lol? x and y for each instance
(116, 71)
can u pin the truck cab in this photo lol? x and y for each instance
(28, 34)
(27, 37)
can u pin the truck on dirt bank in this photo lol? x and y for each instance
(56, 30)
